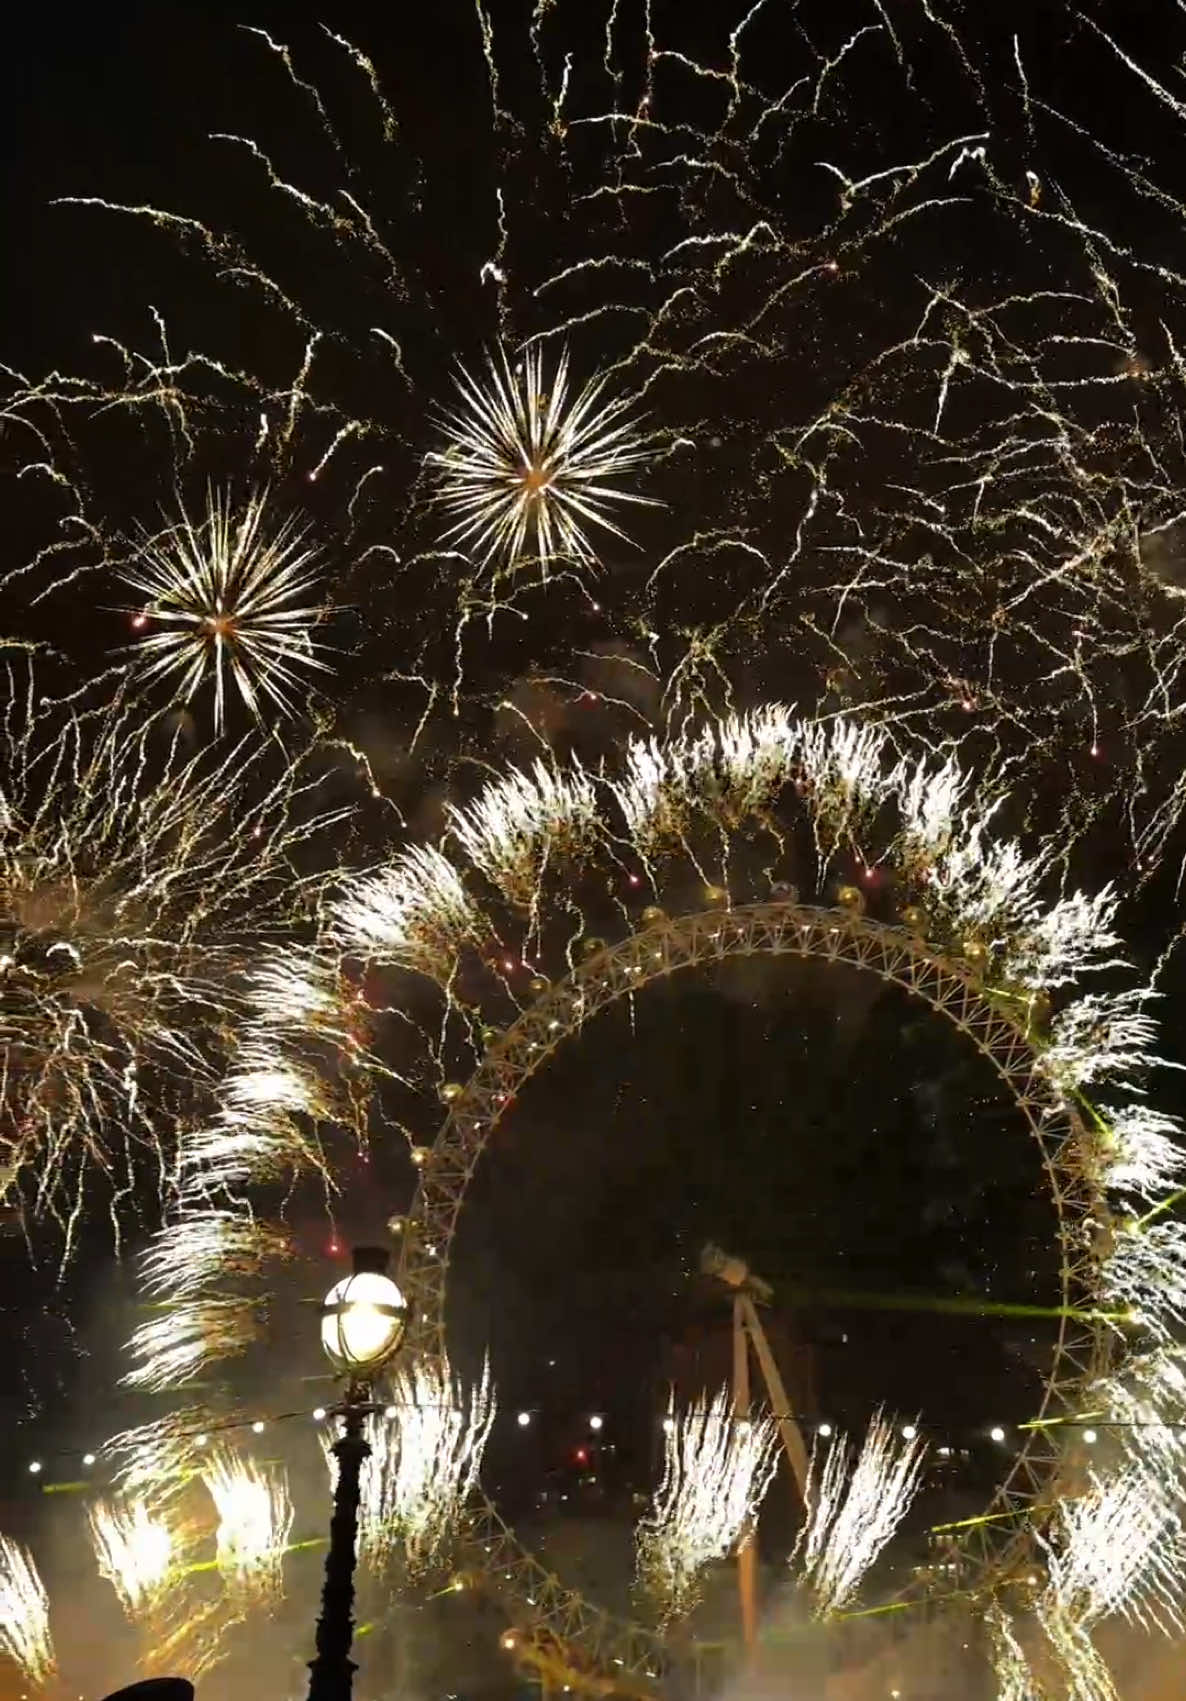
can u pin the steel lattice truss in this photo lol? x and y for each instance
(541, 1605)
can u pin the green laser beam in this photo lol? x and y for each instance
(954, 1305)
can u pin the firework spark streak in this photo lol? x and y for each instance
(135, 1551)
(960, 513)
(254, 1521)
(854, 1509)
(136, 885)
(716, 1471)
(526, 470)
(424, 1463)
(24, 1615)
(1122, 1550)
(221, 601)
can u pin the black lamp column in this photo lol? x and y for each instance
(332, 1671)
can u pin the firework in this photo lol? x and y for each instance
(716, 1470)
(254, 1521)
(1121, 1549)
(1015, 1680)
(135, 887)
(526, 471)
(227, 595)
(424, 1464)
(854, 1509)
(135, 1551)
(24, 1615)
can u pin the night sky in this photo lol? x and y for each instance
(835, 1134)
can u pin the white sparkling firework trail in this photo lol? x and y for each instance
(136, 885)
(24, 1615)
(517, 823)
(412, 913)
(134, 1548)
(1121, 1549)
(527, 471)
(424, 1464)
(222, 604)
(716, 1471)
(254, 1522)
(854, 1509)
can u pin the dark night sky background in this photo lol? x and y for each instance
(825, 1127)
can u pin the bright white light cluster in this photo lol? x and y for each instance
(716, 1471)
(134, 1549)
(854, 1509)
(254, 1523)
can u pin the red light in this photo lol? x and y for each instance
(635, 879)
(334, 1248)
(509, 966)
(581, 1455)
(140, 621)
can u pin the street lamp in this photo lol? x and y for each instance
(362, 1324)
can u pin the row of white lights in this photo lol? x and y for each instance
(909, 1432)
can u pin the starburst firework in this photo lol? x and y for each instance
(527, 471)
(228, 594)
(716, 1471)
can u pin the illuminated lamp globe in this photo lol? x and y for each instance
(490, 1036)
(538, 985)
(851, 898)
(975, 950)
(652, 916)
(784, 892)
(717, 896)
(914, 918)
(362, 1320)
(449, 1091)
(591, 946)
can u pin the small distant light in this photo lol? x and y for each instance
(996, 1433)
(318, 1413)
(389, 1412)
(635, 880)
(35, 1467)
(909, 1431)
(945, 1452)
(509, 966)
(257, 1427)
(88, 1458)
(1090, 1437)
(523, 1419)
(596, 1422)
(669, 1426)
(200, 1440)
(334, 1248)
(824, 1429)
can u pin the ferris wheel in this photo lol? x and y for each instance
(997, 1548)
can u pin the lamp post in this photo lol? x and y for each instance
(362, 1324)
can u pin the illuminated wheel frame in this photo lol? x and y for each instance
(950, 986)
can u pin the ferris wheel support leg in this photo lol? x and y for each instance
(792, 1435)
(747, 1547)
